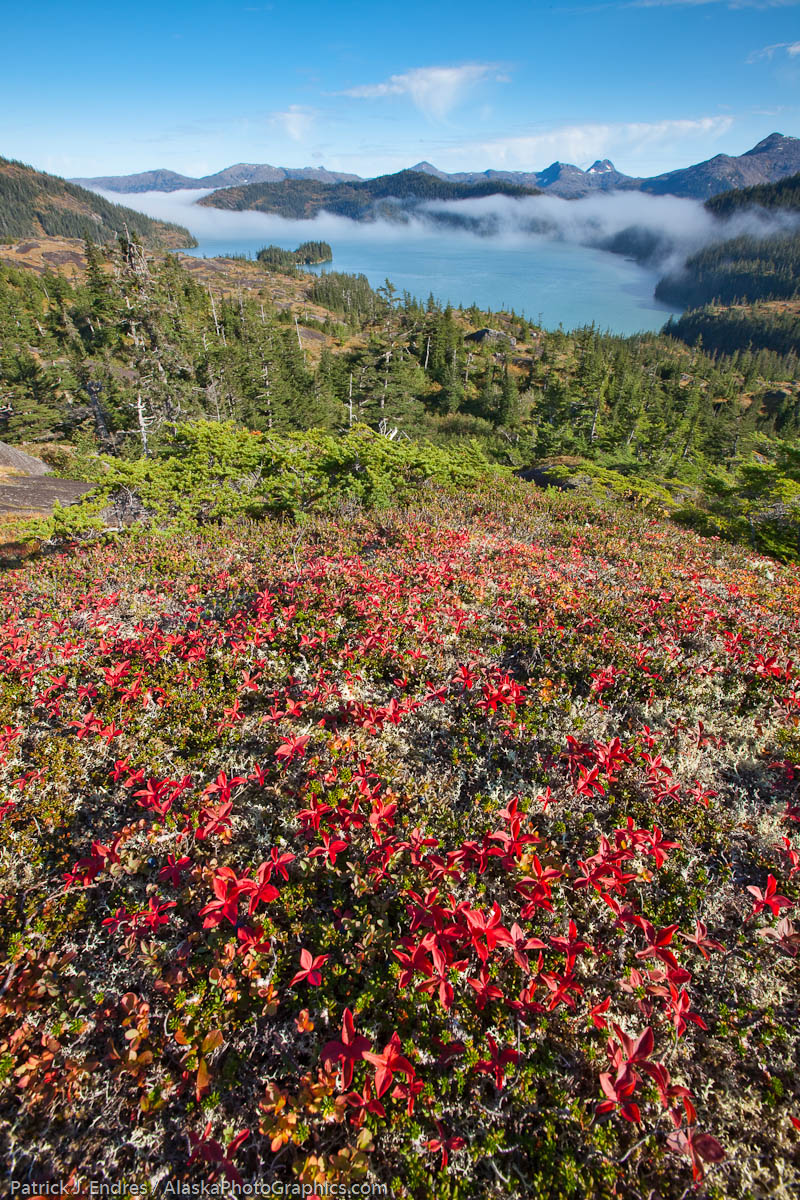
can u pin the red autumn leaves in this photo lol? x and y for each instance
(229, 888)
(500, 930)
(309, 972)
(769, 898)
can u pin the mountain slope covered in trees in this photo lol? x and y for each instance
(784, 194)
(142, 343)
(745, 268)
(743, 293)
(741, 269)
(386, 195)
(33, 203)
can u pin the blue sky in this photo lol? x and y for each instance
(90, 88)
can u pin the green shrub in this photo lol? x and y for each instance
(206, 472)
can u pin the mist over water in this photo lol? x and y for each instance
(545, 257)
(668, 228)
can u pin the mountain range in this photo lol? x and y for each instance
(774, 158)
(239, 174)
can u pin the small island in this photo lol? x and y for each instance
(307, 254)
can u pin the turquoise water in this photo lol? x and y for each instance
(552, 282)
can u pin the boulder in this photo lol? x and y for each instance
(545, 477)
(491, 335)
(21, 463)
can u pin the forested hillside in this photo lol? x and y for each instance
(138, 324)
(785, 194)
(115, 361)
(34, 203)
(745, 269)
(729, 329)
(385, 195)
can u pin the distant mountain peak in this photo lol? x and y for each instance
(775, 141)
(772, 159)
(557, 168)
(426, 168)
(601, 166)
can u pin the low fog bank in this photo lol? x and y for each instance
(659, 232)
(225, 225)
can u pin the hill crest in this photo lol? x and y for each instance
(33, 203)
(771, 159)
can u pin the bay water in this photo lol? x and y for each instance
(550, 281)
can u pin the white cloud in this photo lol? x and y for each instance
(295, 121)
(699, 3)
(434, 90)
(679, 226)
(791, 48)
(583, 143)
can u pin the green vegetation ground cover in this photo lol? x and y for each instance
(207, 473)
(451, 847)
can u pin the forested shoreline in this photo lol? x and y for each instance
(359, 200)
(727, 286)
(114, 362)
(142, 322)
